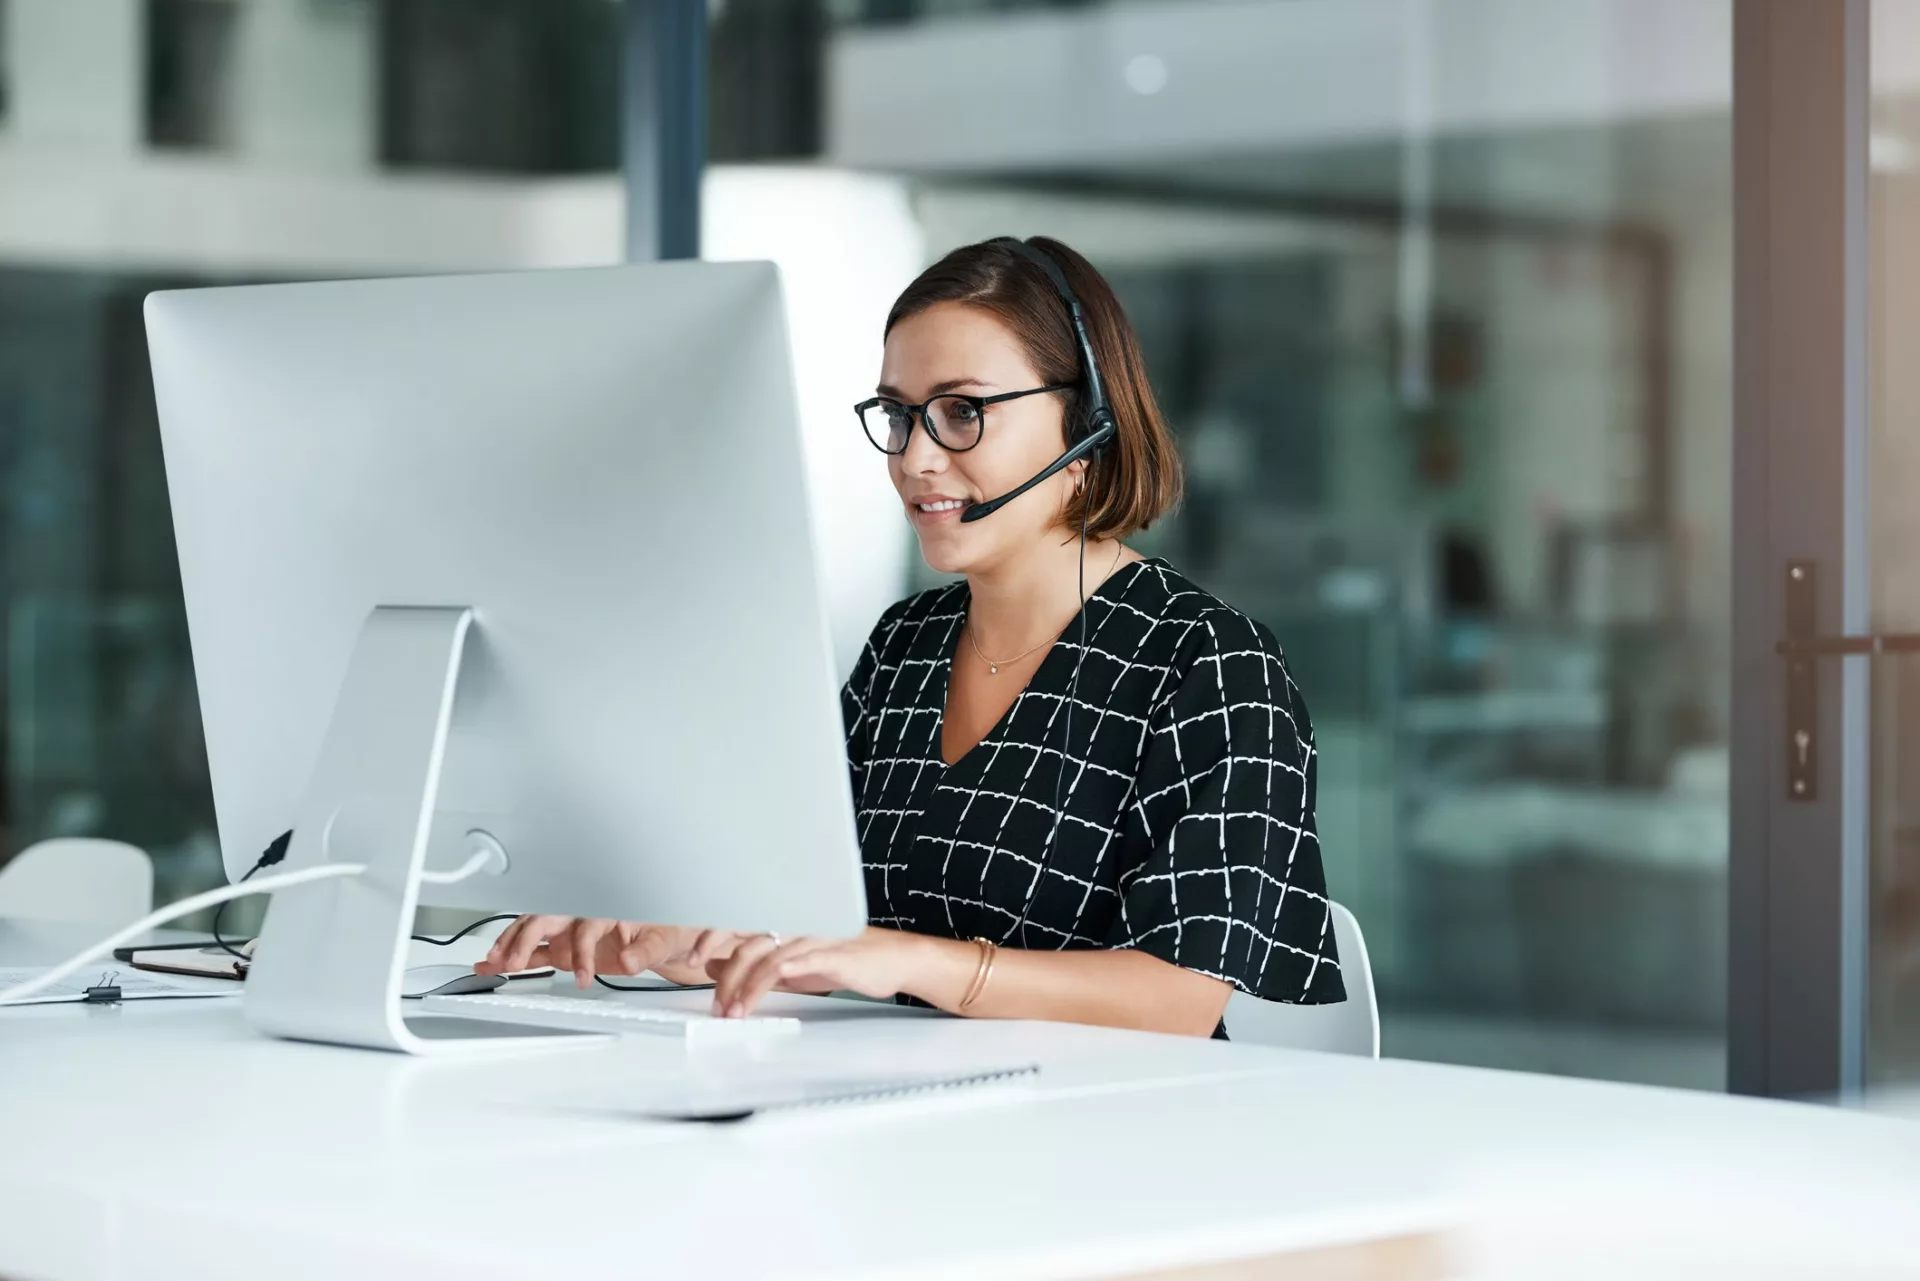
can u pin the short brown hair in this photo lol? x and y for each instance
(1137, 478)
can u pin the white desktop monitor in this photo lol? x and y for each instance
(525, 555)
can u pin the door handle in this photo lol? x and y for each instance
(1800, 646)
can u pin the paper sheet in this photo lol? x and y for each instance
(133, 985)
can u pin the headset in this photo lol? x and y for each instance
(1097, 428)
(1085, 440)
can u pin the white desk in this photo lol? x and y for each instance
(165, 1140)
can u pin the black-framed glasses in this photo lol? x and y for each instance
(955, 421)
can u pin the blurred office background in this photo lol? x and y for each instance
(1437, 295)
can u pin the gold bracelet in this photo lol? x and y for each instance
(981, 975)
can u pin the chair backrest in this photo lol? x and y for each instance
(1351, 1027)
(78, 880)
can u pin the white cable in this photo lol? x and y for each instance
(475, 862)
(174, 911)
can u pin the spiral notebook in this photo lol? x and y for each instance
(742, 1100)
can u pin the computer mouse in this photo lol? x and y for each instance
(445, 980)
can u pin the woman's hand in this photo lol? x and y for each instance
(878, 963)
(589, 947)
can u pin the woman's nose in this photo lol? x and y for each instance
(922, 454)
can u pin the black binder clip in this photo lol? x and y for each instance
(105, 992)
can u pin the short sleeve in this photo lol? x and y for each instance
(1229, 881)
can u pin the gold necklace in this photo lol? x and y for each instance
(994, 665)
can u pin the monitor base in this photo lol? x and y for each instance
(332, 954)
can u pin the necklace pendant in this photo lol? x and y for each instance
(992, 669)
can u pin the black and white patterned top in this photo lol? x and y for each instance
(1188, 828)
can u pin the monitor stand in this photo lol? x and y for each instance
(332, 953)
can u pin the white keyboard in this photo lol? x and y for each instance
(597, 1014)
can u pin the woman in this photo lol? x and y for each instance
(1084, 786)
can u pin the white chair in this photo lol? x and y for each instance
(1351, 1027)
(77, 879)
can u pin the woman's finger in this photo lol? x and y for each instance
(584, 940)
(558, 945)
(727, 971)
(710, 945)
(638, 953)
(496, 955)
(727, 974)
(822, 984)
(534, 930)
(634, 949)
(762, 973)
(821, 970)
(503, 947)
(610, 955)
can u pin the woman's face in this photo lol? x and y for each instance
(954, 347)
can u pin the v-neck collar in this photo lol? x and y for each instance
(943, 670)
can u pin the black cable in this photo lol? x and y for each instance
(221, 911)
(1060, 777)
(451, 939)
(274, 853)
(668, 986)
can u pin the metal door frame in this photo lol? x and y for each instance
(1797, 869)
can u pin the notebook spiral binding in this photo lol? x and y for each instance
(901, 1089)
